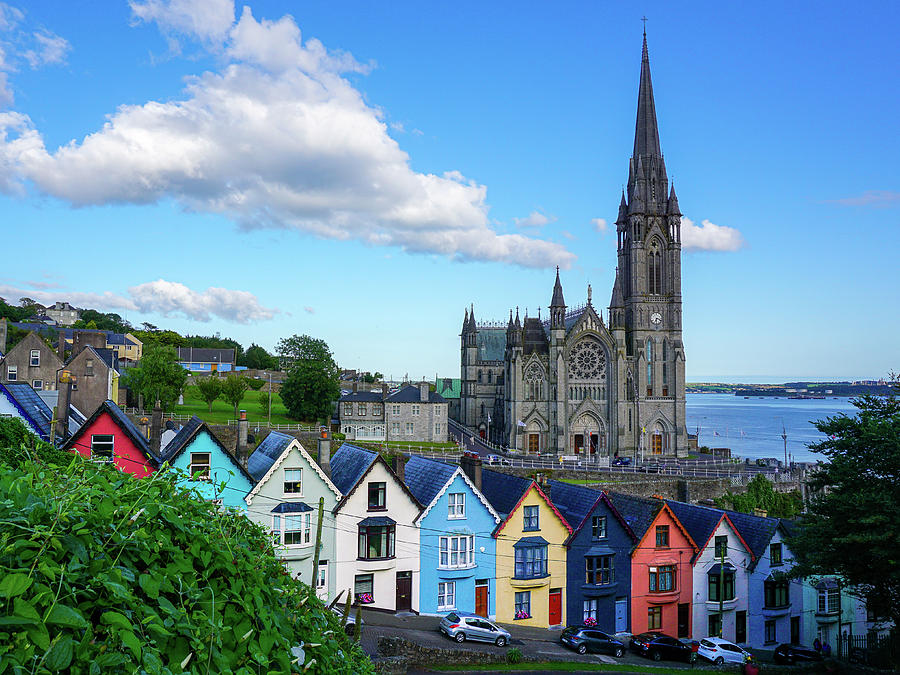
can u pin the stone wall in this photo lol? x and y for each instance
(398, 652)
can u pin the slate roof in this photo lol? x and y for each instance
(362, 396)
(574, 502)
(757, 531)
(292, 507)
(535, 337)
(491, 343)
(377, 521)
(32, 405)
(180, 440)
(503, 490)
(348, 465)
(123, 422)
(205, 355)
(266, 453)
(699, 521)
(638, 512)
(410, 394)
(426, 477)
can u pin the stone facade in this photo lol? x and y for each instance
(95, 380)
(414, 414)
(573, 383)
(31, 361)
(63, 313)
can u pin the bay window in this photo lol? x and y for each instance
(456, 551)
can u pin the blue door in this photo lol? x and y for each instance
(621, 615)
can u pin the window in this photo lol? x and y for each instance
(530, 518)
(456, 505)
(446, 595)
(654, 269)
(654, 618)
(770, 632)
(395, 428)
(12, 373)
(377, 495)
(775, 555)
(199, 468)
(35, 357)
(600, 570)
(598, 527)
(376, 409)
(395, 410)
(409, 428)
(89, 367)
(649, 367)
(297, 529)
(363, 589)
(715, 625)
(293, 481)
(590, 612)
(415, 410)
(531, 562)
(728, 593)
(376, 541)
(721, 547)
(479, 377)
(360, 408)
(523, 605)
(37, 385)
(776, 593)
(438, 411)
(102, 447)
(829, 601)
(662, 536)
(437, 428)
(456, 552)
(662, 579)
(348, 409)
(490, 376)
(322, 578)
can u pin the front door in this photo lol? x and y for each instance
(684, 620)
(555, 606)
(579, 443)
(481, 433)
(404, 591)
(621, 615)
(656, 444)
(795, 630)
(595, 441)
(740, 627)
(481, 597)
(534, 442)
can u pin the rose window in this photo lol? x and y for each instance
(587, 361)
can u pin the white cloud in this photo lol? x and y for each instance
(106, 300)
(9, 17)
(207, 20)
(709, 237)
(51, 48)
(534, 219)
(599, 224)
(276, 139)
(871, 198)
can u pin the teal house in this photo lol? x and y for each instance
(196, 451)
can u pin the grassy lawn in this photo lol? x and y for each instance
(222, 411)
(556, 666)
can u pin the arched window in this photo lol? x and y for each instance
(534, 383)
(649, 367)
(482, 410)
(490, 376)
(654, 269)
(479, 377)
(665, 368)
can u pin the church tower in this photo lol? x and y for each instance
(645, 309)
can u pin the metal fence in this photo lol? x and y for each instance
(302, 428)
(868, 650)
(137, 412)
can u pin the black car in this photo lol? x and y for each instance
(796, 654)
(659, 646)
(622, 461)
(584, 639)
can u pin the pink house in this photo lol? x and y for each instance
(109, 435)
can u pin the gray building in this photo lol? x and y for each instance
(412, 414)
(63, 313)
(573, 383)
(31, 361)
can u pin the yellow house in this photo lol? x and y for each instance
(531, 560)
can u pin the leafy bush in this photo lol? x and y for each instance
(514, 656)
(19, 445)
(255, 384)
(106, 573)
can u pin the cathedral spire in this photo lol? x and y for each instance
(558, 300)
(646, 133)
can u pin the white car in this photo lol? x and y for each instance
(495, 460)
(721, 651)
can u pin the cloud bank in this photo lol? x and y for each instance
(709, 237)
(277, 138)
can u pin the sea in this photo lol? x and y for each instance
(752, 427)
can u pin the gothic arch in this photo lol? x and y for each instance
(587, 358)
(655, 273)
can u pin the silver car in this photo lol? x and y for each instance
(462, 626)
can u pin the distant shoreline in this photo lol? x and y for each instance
(799, 390)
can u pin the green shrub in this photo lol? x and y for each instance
(106, 573)
(255, 384)
(338, 436)
(514, 656)
(19, 445)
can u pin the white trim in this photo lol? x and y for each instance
(459, 472)
(278, 462)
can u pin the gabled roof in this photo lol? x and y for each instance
(293, 443)
(362, 397)
(266, 453)
(34, 411)
(410, 394)
(205, 355)
(638, 512)
(543, 495)
(429, 479)
(572, 501)
(503, 490)
(123, 422)
(701, 523)
(108, 356)
(355, 459)
(187, 434)
(756, 531)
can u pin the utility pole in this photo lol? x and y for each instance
(53, 428)
(784, 438)
(270, 406)
(722, 589)
(315, 569)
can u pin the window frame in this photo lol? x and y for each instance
(446, 597)
(97, 457)
(389, 537)
(456, 505)
(348, 410)
(728, 592)
(598, 527)
(322, 577)
(776, 560)
(720, 544)
(770, 631)
(776, 593)
(460, 547)
(662, 541)
(378, 488)
(199, 475)
(531, 562)
(600, 570)
(589, 609)
(654, 617)
(285, 483)
(824, 604)
(12, 373)
(303, 532)
(522, 603)
(531, 518)
(367, 580)
(662, 579)
(37, 385)
(34, 358)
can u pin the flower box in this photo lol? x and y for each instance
(365, 598)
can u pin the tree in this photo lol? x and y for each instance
(852, 526)
(258, 358)
(233, 390)
(312, 384)
(210, 389)
(157, 375)
(761, 494)
(264, 398)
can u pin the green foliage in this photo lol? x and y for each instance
(255, 384)
(159, 337)
(14, 335)
(210, 389)
(852, 524)
(91, 318)
(106, 573)
(514, 655)
(264, 398)
(233, 389)
(762, 495)
(19, 445)
(258, 358)
(312, 384)
(157, 375)
(14, 313)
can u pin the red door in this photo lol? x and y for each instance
(555, 606)
(481, 599)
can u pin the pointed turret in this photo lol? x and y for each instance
(672, 207)
(557, 304)
(557, 300)
(646, 133)
(465, 325)
(518, 323)
(472, 326)
(623, 208)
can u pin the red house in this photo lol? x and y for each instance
(110, 436)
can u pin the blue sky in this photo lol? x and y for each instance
(363, 172)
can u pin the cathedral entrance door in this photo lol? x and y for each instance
(595, 443)
(481, 433)
(656, 443)
(534, 443)
(579, 443)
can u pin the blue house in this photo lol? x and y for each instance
(20, 400)
(458, 549)
(598, 558)
(196, 451)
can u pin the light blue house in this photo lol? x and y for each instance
(196, 451)
(458, 551)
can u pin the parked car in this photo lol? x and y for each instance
(650, 468)
(622, 461)
(719, 651)
(791, 654)
(462, 626)
(496, 460)
(584, 639)
(350, 626)
(658, 646)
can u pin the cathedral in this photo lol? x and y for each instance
(572, 383)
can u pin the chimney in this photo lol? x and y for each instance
(3, 335)
(471, 466)
(543, 483)
(155, 429)
(144, 423)
(61, 348)
(423, 391)
(355, 386)
(384, 390)
(324, 457)
(398, 464)
(762, 513)
(62, 402)
(240, 449)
